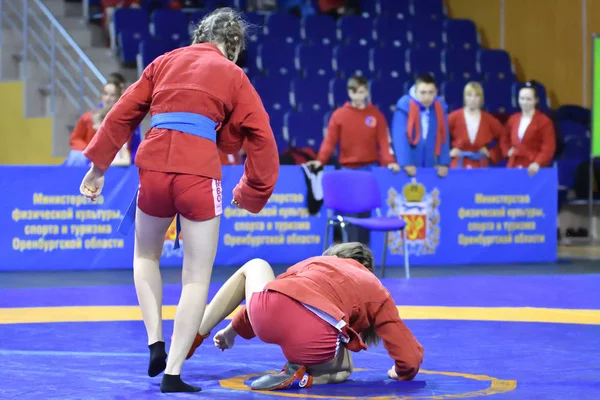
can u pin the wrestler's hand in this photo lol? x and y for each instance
(392, 373)
(225, 338)
(394, 167)
(455, 152)
(92, 183)
(235, 203)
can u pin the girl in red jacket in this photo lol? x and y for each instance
(200, 102)
(529, 140)
(316, 311)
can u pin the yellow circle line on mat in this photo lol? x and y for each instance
(132, 313)
(496, 386)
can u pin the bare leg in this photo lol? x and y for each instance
(250, 278)
(199, 250)
(149, 238)
(334, 371)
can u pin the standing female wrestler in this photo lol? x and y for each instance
(200, 102)
(308, 311)
(529, 140)
(472, 132)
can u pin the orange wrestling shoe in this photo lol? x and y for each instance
(197, 342)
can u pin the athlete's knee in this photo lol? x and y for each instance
(257, 264)
(341, 376)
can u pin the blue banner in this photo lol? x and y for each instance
(469, 217)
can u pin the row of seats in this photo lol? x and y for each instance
(320, 93)
(272, 58)
(276, 58)
(319, 29)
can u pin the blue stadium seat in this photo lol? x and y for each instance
(129, 45)
(452, 92)
(422, 61)
(369, 8)
(319, 29)
(391, 32)
(461, 34)
(426, 35)
(498, 97)
(314, 60)
(338, 89)
(275, 58)
(305, 128)
(197, 16)
(151, 48)
(276, 119)
(251, 57)
(544, 101)
(577, 148)
(131, 20)
(168, 24)
(431, 10)
(461, 64)
(257, 26)
(352, 60)
(311, 94)
(390, 63)
(395, 8)
(495, 65)
(283, 26)
(568, 127)
(274, 91)
(386, 93)
(356, 30)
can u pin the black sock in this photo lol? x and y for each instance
(158, 359)
(173, 383)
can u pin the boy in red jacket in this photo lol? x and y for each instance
(316, 311)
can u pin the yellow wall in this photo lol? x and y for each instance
(23, 140)
(543, 37)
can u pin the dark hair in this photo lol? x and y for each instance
(533, 86)
(224, 25)
(116, 78)
(425, 78)
(357, 81)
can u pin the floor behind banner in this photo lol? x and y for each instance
(514, 332)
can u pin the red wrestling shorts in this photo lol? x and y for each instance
(303, 336)
(194, 197)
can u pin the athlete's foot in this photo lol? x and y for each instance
(174, 384)
(158, 358)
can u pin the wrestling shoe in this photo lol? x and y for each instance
(292, 376)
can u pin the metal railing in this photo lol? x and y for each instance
(65, 70)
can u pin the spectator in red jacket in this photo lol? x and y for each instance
(529, 140)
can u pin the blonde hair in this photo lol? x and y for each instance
(475, 87)
(224, 25)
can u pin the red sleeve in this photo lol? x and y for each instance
(386, 153)
(241, 324)
(78, 139)
(250, 122)
(546, 154)
(121, 121)
(505, 138)
(332, 137)
(398, 340)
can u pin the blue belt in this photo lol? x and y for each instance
(194, 124)
(470, 155)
